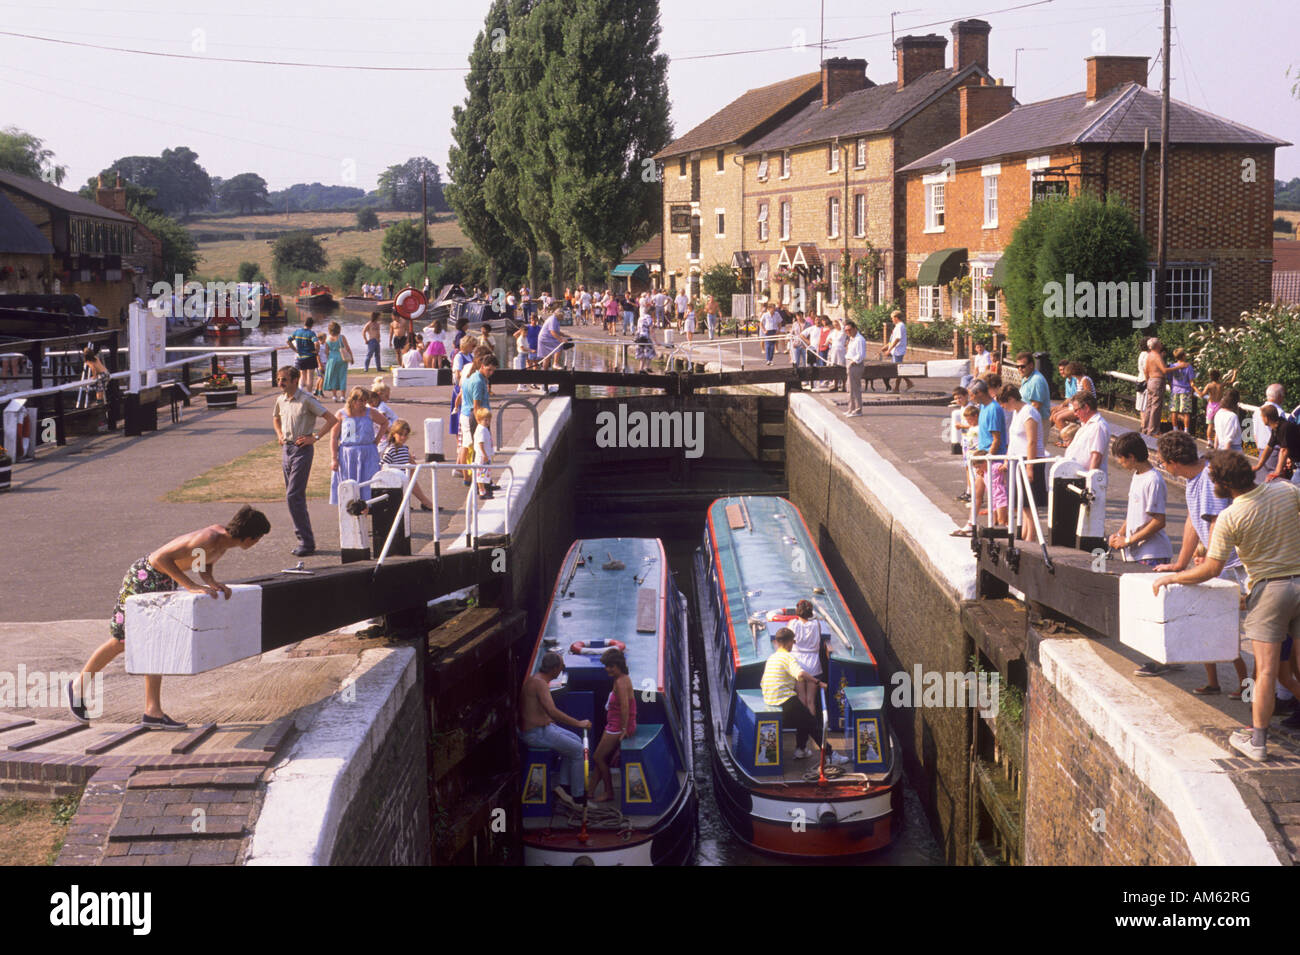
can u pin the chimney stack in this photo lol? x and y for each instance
(841, 75)
(970, 44)
(918, 55)
(981, 105)
(111, 198)
(1107, 72)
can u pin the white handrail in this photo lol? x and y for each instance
(1134, 379)
(471, 513)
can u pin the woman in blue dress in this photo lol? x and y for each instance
(336, 367)
(354, 455)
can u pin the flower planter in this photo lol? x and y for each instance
(221, 397)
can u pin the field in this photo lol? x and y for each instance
(1292, 217)
(221, 259)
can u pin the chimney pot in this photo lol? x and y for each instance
(918, 55)
(980, 105)
(1105, 73)
(841, 75)
(970, 44)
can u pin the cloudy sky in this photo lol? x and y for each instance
(342, 126)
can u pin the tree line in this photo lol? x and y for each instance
(566, 101)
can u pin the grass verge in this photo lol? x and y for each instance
(255, 477)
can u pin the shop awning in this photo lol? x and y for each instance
(999, 277)
(741, 260)
(941, 267)
(629, 270)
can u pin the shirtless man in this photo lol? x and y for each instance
(399, 331)
(165, 570)
(538, 715)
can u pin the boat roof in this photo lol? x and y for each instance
(769, 562)
(592, 603)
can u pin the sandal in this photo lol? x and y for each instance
(967, 531)
(1207, 690)
(1235, 694)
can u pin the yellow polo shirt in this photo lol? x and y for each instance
(780, 677)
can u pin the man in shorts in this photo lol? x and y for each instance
(162, 571)
(304, 343)
(1263, 524)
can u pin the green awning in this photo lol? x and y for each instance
(941, 267)
(999, 277)
(628, 270)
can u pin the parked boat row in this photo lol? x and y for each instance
(756, 562)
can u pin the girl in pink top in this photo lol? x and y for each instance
(620, 721)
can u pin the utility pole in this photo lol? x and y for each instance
(1162, 226)
(424, 221)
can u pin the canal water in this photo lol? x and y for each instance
(718, 846)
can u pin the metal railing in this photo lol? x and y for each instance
(1018, 484)
(471, 501)
(686, 350)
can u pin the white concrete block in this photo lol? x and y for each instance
(433, 435)
(916, 369)
(1184, 624)
(947, 367)
(422, 377)
(185, 633)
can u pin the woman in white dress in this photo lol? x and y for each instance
(807, 652)
(839, 349)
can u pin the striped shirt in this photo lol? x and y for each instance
(397, 455)
(1264, 525)
(780, 677)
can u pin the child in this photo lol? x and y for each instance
(161, 571)
(1142, 535)
(970, 438)
(377, 397)
(960, 398)
(398, 455)
(620, 721)
(483, 450)
(415, 357)
(524, 352)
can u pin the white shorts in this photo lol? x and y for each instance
(466, 432)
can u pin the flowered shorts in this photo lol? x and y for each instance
(1183, 403)
(142, 578)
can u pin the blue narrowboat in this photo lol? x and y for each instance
(617, 591)
(756, 563)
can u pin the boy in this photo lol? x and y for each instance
(483, 450)
(1142, 535)
(162, 571)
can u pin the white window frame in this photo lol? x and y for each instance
(762, 167)
(1181, 282)
(833, 283)
(860, 160)
(991, 173)
(833, 217)
(787, 218)
(762, 222)
(787, 164)
(860, 214)
(936, 188)
(929, 302)
(882, 286)
(984, 305)
(833, 157)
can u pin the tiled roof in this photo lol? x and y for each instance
(874, 109)
(1122, 116)
(61, 199)
(1286, 255)
(18, 235)
(651, 250)
(742, 116)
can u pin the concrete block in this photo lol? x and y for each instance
(185, 633)
(947, 367)
(423, 377)
(1184, 624)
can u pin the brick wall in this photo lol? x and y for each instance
(1070, 773)
(387, 822)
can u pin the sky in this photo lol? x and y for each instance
(343, 126)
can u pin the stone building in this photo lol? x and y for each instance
(24, 252)
(965, 198)
(703, 184)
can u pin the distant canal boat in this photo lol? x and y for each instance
(311, 294)
(608, 590)
(757, 561)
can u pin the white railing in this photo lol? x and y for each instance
(686, 350)
(1134, 379)
(471, 501)
(1018, 484)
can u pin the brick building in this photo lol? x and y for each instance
(965, 199)
(703, 184)
(826, 184)
(100, 253)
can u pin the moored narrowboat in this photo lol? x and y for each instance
(757, 561)
(311, 294)
(610, 592)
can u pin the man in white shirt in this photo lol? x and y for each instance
(1091, 444)
(89, 309)
(683, 303)
(771, 329)
(1275, 394)
(661, 307)
(855, 354)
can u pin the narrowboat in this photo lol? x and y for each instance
(309, 293)
(609, 592)
(757, 561)
(223, 320)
